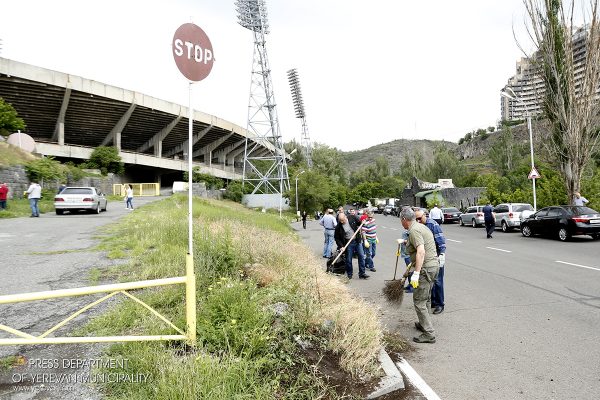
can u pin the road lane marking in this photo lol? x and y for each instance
(416, 380)
(493, 248)
(455, 241)
(578, 265)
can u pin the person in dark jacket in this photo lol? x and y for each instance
(343, 233)
(489, 218)
(304, 216)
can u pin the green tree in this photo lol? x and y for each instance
(506, 153)
(212, 182)
(44, 169)
(107, 159)
(10, 122)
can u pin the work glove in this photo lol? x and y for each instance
(400, 241)
(367, 245)
(442, 260)
(414, 279)
(377, 240)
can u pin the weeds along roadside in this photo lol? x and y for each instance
(259, 292)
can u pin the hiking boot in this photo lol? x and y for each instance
(424, 338)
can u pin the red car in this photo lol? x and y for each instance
(451, 214)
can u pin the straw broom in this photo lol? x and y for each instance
(394, 289)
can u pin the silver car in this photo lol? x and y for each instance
(472, 216)
(509, 215)
(80, 198)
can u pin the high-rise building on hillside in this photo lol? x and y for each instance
(528, 86)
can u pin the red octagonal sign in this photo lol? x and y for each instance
(193, 52)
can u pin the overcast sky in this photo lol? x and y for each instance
(371, 72)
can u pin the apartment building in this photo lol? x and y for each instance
(528, 86)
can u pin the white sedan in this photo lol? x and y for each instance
(73, 199)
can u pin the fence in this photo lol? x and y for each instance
(139, 189)
(120, 288)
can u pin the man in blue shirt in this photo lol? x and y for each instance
(437, 291)
(328, 223)
(489, 218)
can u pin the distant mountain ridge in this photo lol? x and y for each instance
(394, 152)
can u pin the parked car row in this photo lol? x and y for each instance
(561, 222)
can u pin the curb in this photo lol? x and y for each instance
(392, 380)
(416, 380)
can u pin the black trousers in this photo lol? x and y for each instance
(490, 226)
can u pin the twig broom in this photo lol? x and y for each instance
(394, 290)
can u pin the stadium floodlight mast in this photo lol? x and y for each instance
(265, 165)
(511, 95)
(299, 111)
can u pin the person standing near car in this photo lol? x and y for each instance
(437, 291)
(437, 215)
(34, 194)
(579, 200)
(129, 198)
(489, 218)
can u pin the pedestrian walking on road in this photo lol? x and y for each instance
(129, 198)
(328, 223)
(3, 195)
(34, 194)
(489, 219)
(421, 248)
(579, 200)
(304, 216)
(437, 292)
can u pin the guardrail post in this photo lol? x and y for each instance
(190, 299)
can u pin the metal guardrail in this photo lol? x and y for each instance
(113, 289)
(139, 189)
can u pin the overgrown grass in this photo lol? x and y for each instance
(246, 263)
(20, 207)
(11, 155)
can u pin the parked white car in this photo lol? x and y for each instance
(74, 199)
(509, 215)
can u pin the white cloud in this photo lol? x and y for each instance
(370, 72)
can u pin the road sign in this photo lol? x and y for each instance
(193, 52)
(534, 174)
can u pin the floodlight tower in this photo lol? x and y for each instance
(299, 110)
(265, 167)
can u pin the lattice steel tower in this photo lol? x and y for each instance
(265, 167)
(299, 110)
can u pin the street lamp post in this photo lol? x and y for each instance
(513, 96)
(297, 176)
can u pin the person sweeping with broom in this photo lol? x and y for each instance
(423, 256)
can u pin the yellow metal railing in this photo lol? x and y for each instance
(139, 189)
(113, 289)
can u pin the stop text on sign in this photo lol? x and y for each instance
(193, 52)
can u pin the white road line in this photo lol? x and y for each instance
(416, 380)
(493, 248)
(578, 265)
(455, 241)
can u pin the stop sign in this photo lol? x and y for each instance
(193, 52)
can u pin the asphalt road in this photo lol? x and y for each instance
(521, 317)
(47, 253)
